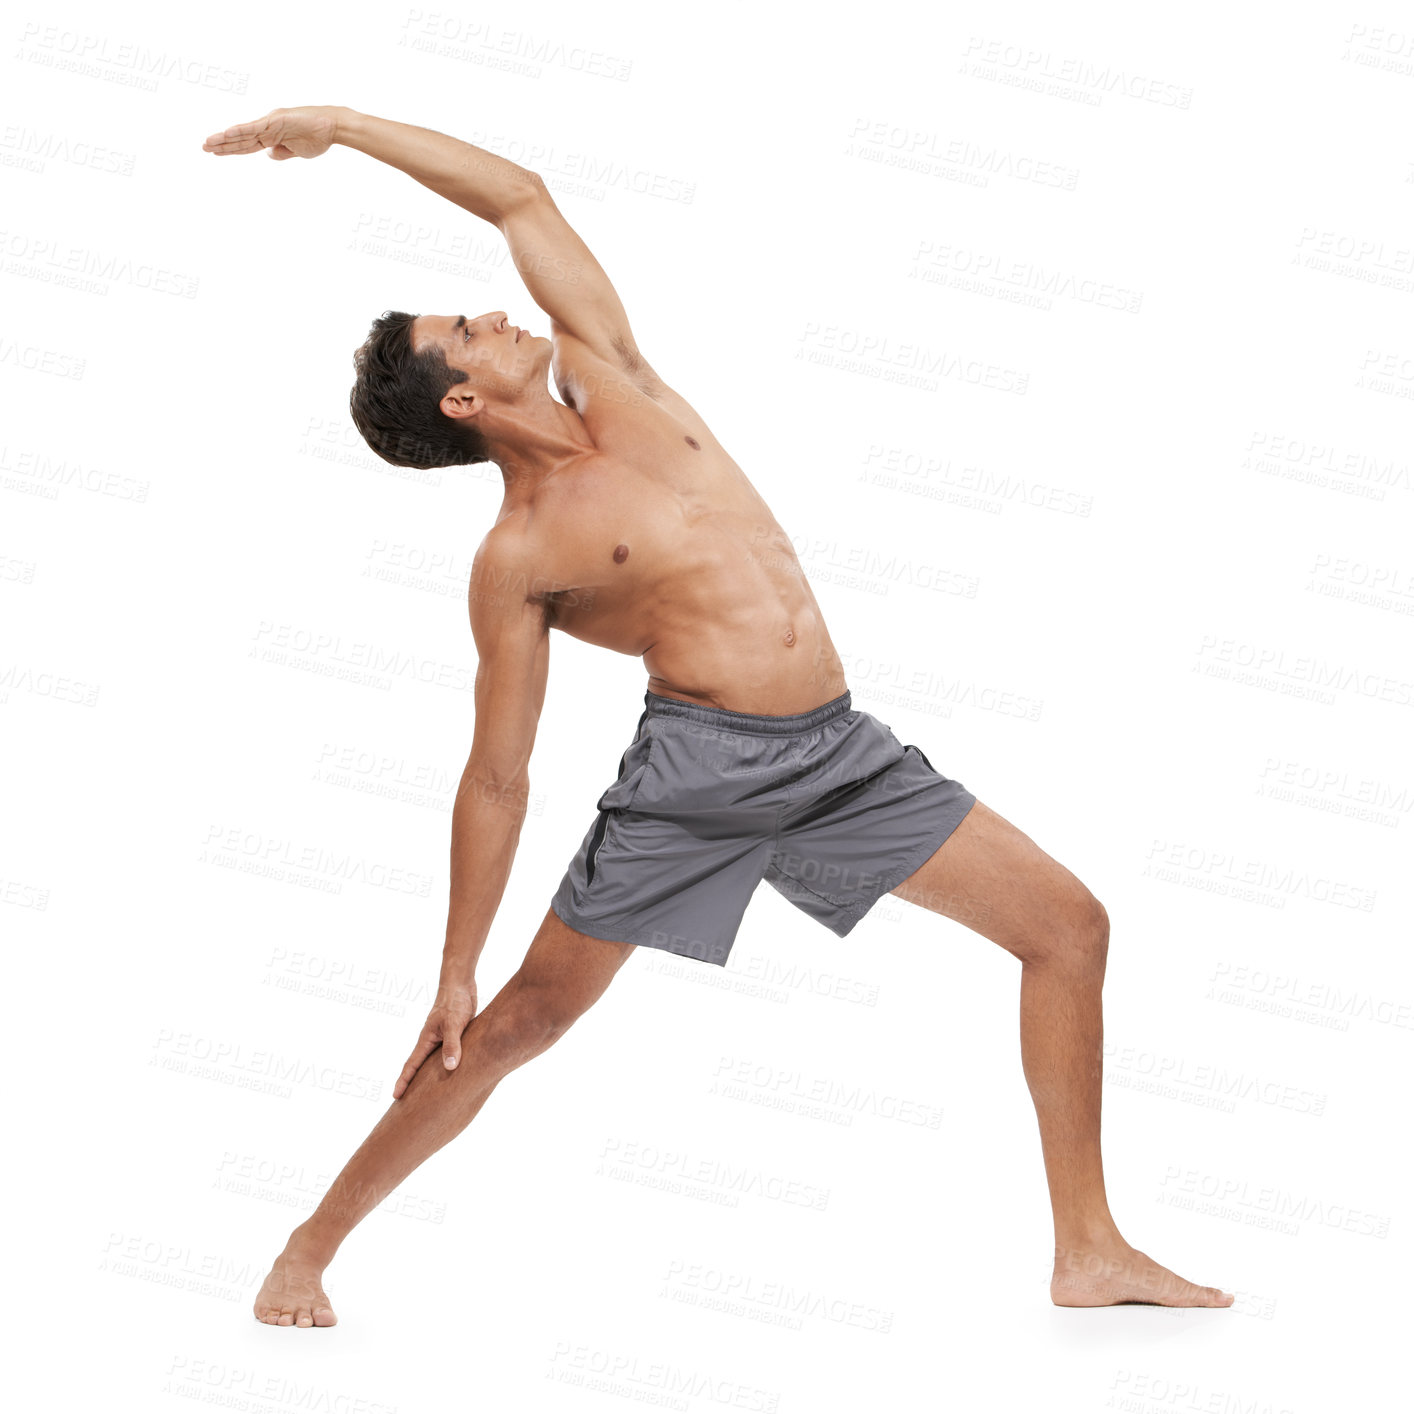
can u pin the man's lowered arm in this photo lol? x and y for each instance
(513, 644)
(514, 649)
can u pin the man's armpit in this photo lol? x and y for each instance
(635, 365)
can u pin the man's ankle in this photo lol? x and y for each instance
(310, 1245)
(1086, 1235)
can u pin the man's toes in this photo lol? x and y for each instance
(303, 1318)
(287, 1317)
(323, 1316)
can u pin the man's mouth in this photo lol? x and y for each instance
(519, 332)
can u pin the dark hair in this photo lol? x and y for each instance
(396, 395)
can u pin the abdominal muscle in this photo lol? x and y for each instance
(704, 576)
(738, 626)
(741, 659)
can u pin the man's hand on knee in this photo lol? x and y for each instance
(450, 1014)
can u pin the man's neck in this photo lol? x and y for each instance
(531, 441)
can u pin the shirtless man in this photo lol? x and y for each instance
(626, 524)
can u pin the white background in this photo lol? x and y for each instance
(1121, 302)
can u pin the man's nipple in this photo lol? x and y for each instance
(693, 443)
(620, 554)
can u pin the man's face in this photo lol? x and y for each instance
(502, 362)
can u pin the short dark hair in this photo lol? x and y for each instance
(396, 395)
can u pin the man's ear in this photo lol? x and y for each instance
(462, 402)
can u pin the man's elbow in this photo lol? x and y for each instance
(505, 788)
(523, 189)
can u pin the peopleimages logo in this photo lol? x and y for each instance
(231, 842)
(54, 261)
(1273, 1202)
(1209, 1086)
(98, 56)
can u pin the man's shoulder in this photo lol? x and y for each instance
(505, 544)
(503, 572)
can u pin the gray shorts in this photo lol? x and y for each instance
(826, 805)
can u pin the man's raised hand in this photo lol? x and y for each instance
(283, 132)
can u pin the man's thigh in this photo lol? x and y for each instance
(992, 878)
(568, 970)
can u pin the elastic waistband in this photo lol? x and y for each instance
(750, 722)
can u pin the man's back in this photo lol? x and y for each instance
(659, 546)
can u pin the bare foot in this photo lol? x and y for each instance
(293, 1294)
(1112, 1273)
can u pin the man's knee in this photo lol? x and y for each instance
(1076, 935)
(535, 1015)
(1087, 940)
(1099, 930)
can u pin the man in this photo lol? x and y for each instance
(626, 524)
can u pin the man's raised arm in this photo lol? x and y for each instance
(558, 269)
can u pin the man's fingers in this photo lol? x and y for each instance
(241, 130)
(444, 1028)
(227, 148)
(244, 137)
(423, 1049)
